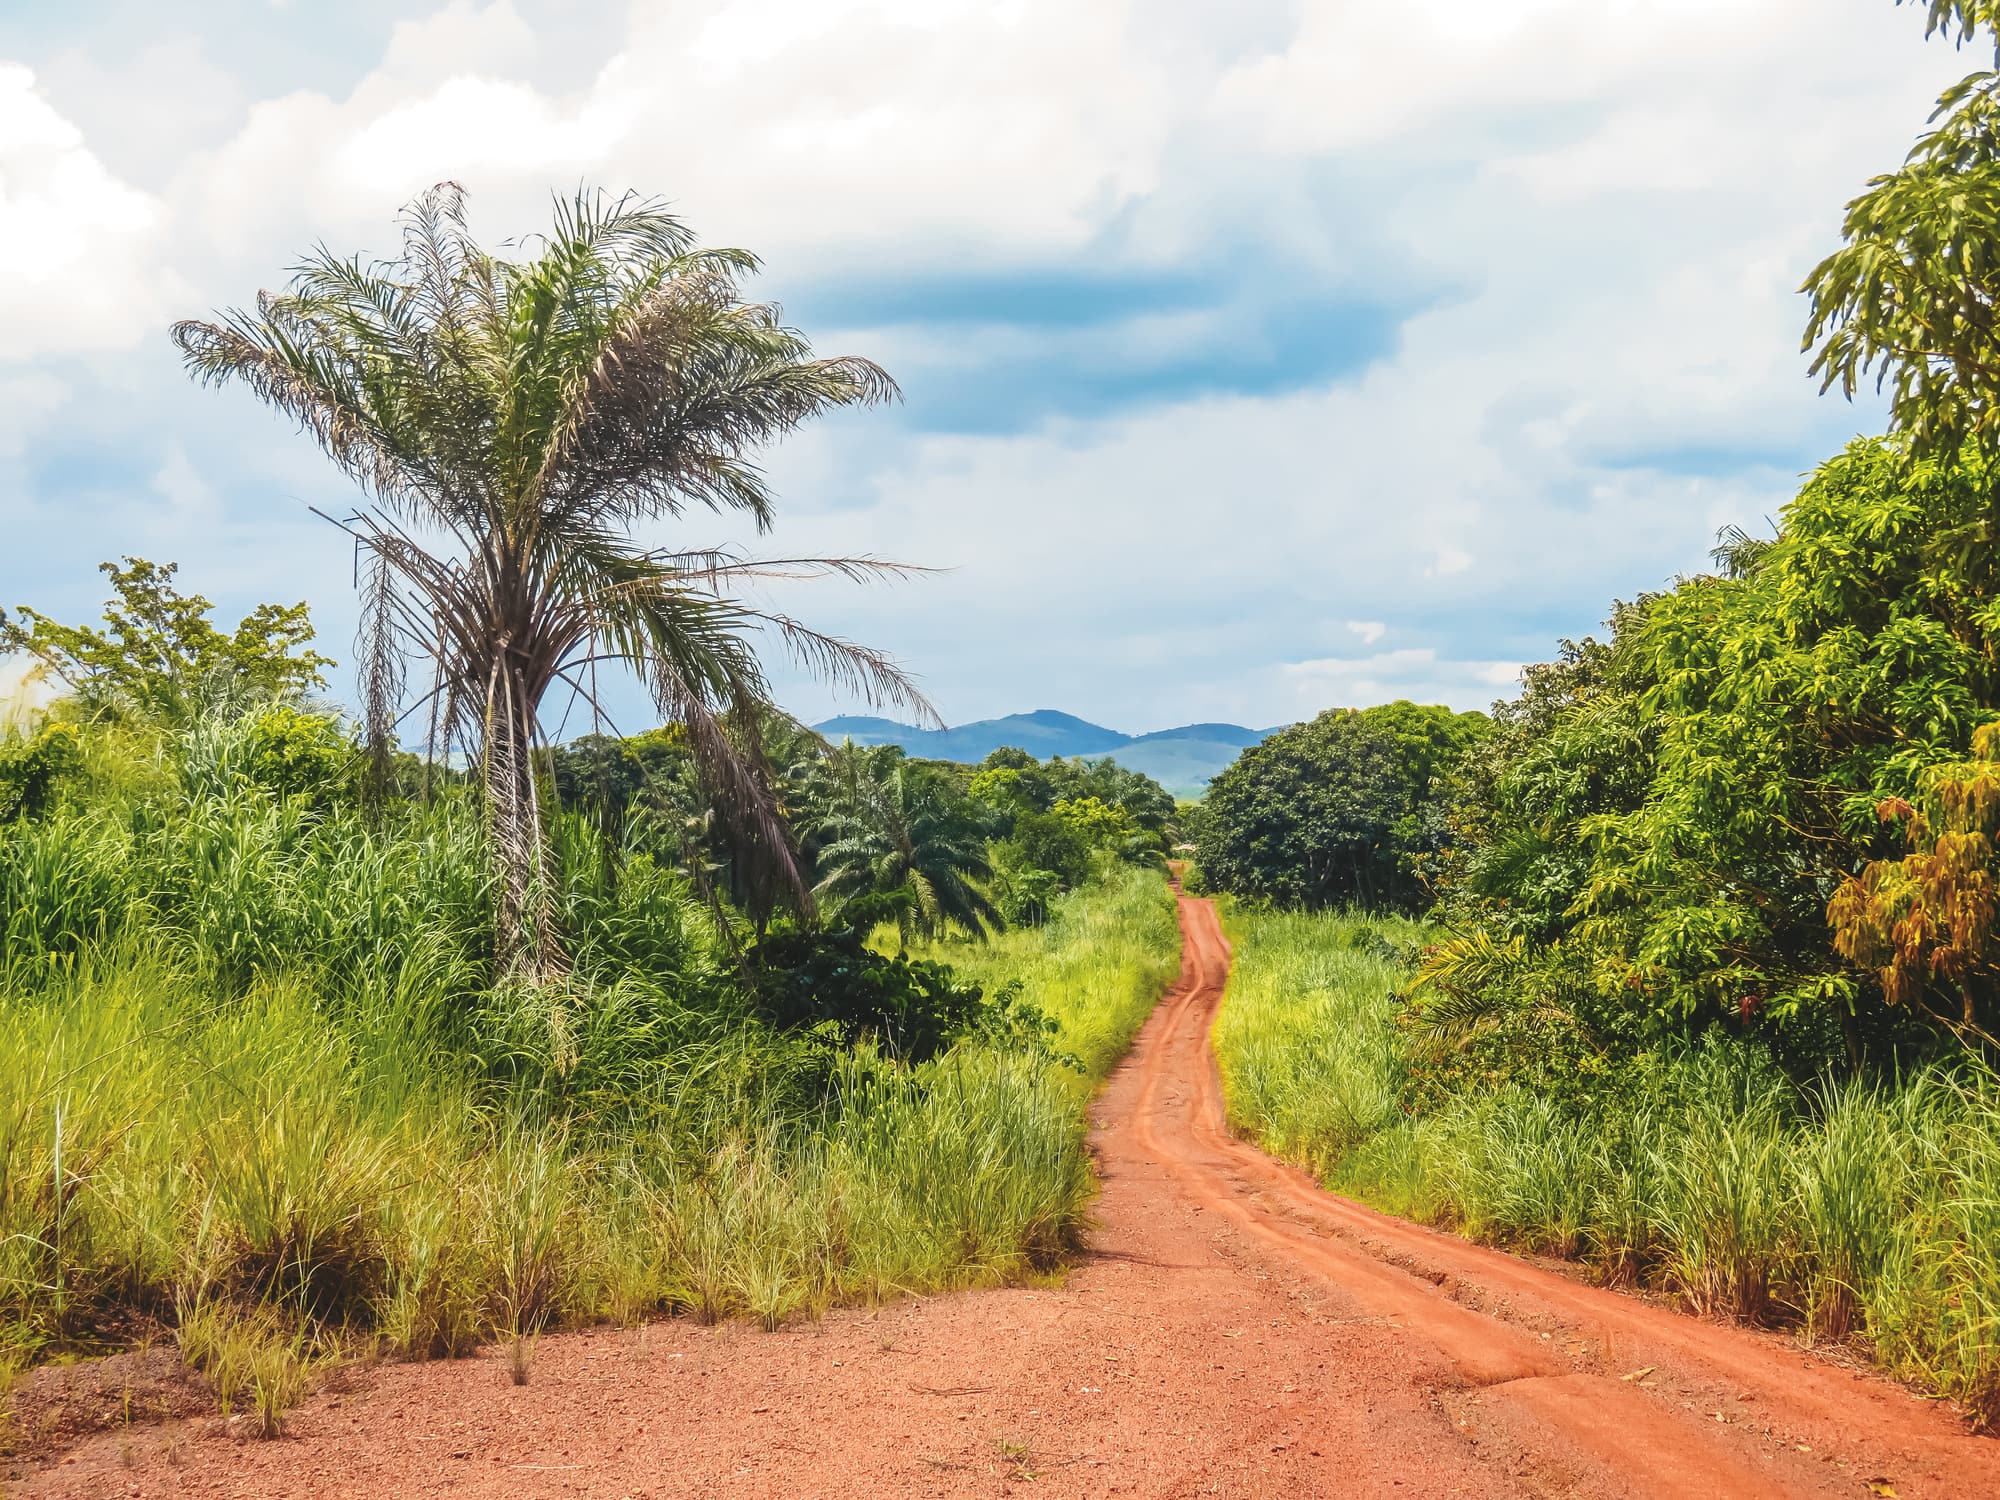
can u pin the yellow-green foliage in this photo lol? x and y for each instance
(1096, 967)
(1309, 1063)
(259, 1155)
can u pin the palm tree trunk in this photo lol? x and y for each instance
(525, 934)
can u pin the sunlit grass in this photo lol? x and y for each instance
(1846, 1212)
(1097, 967)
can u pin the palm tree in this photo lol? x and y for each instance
(512, 423)
(889, 828)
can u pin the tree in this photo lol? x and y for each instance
(159, 655)
(1683, 825)
(1926, 923)
(1048, 842)
(1010, 782)
(896, 828)
(1913, 296)
(1333, 811)
(513, 423)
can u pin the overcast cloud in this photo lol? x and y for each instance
(1258, 357)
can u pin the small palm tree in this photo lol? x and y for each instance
(889, 828)
(513, 422)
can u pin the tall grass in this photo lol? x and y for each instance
(1848, 1211)
(257, 1087)
(1309, 1065)
(162, 1153)
(1096, 967)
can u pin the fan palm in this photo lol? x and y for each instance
(890, 828)
(513, 422)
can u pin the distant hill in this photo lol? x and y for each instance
(1182, 760)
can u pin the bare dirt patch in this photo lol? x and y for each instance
(54, 1407)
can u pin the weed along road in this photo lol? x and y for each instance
(1235, 1331)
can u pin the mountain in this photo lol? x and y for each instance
(1182, 760)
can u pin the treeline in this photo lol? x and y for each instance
(1763, 805)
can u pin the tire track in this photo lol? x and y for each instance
(1507, 1349)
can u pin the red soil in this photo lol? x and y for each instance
(1234, 1331)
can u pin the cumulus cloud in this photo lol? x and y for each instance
(1417, 674)
(76, 243)
(1233, 336)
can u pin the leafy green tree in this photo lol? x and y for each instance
(159, 656)
(299, 754)
(830, 981)
(612, 778)
(1336, 811)
(1010, 782)
(1024, 892)
(1100, 824)
(897, 827)
(1576, 745)
(1044, 841)
(1910, 298)
(1678, 810)
(514, 422)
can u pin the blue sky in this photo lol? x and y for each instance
(1258, 358)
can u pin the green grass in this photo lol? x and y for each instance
(1850, 1212)
(1096, 968)
(255, 1089)
(1309, 1066)
(164, 1154)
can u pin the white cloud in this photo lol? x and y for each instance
(1614, 201)
(77, 272)
(855, 129)
(193, 500)
(1449, 560)
(1358, 74)
(1417, 674)
(28, 401)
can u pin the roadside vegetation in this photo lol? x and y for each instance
(1095, 969)
(413, 1030)
(1685, 963)
(1846, 1208)
(266, 1083)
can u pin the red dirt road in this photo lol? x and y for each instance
(1234, 1331)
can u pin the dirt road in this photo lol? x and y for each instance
(1234, 1332)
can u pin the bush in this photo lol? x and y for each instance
(832, 984)
(1047, 841)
